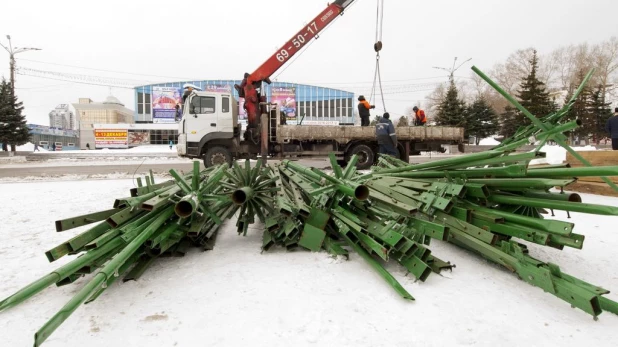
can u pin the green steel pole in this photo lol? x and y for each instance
(58, 274)
(102, 276)
(554, 204)
(195, 180)
(180, 181)
(572, 197)
(471, 158)
(505, 171)
(522, 183)
(377, 267)
(574, 172)
(500, 160)
(548, 225)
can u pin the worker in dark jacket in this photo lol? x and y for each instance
(387, 138)
(363, 110)
(612, 128)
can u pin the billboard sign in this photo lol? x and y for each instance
(137, 138)
(285, 97)
(164, 101)
(111, 138)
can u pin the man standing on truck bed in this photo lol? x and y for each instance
(612, 129)
(419, 116)
(363, 110)
(387, 138)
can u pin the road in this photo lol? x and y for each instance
(36, 170)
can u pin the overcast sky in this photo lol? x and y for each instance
(161, 41)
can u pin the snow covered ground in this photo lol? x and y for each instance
(235, 296)
(29, 147)
(556, 154)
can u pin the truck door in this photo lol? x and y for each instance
(202, 118)
(225, 122)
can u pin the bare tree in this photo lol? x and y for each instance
(605, 60)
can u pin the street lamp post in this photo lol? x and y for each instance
(12, 53)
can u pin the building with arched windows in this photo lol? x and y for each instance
(305, 103)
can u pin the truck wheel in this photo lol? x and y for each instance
(216, 156)
(365, 156)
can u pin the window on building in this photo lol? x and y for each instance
(147, 103)
(140, 108)
(202, 105)
(225, 108)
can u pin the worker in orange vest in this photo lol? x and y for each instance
(363, 110)
(419, 116)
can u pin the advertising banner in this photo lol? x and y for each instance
(164, 101)
(220, 88)
(137, 138)
(242, 114)
(110, 138)
(285, 97)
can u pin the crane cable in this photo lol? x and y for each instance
(377, 46)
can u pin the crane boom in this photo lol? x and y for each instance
(251, 82)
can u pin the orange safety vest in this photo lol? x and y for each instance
(420, 115)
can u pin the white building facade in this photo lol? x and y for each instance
(62, 118)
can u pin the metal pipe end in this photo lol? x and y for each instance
(239, 197)
(574, 197)
(361, 192)
(183, 209)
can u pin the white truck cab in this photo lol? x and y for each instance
(206, 116)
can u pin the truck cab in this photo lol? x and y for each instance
(209, 119)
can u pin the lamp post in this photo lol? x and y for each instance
(12, 53)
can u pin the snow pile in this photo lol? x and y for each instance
(81, 177)
(555, 154)
(143, 149)
(28, 147)
(489, 141)
(237, 296)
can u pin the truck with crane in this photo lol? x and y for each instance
(210, 129)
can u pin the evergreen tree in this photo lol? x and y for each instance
(481, 119)
(451, 110)
(13, 129)
(374, 121)
(403, 122)
(600, 112)
(510, 121)
(532, 95)
(581, 109)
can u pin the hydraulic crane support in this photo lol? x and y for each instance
(277, 60)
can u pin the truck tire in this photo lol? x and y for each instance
(216, 156)
(365, 154)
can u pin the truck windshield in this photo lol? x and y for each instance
(202, 104)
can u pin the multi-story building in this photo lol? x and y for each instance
(62, 118)
(89, 113)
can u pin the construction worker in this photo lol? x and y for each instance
(419, 116)
(387, 138)
(363, 110)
